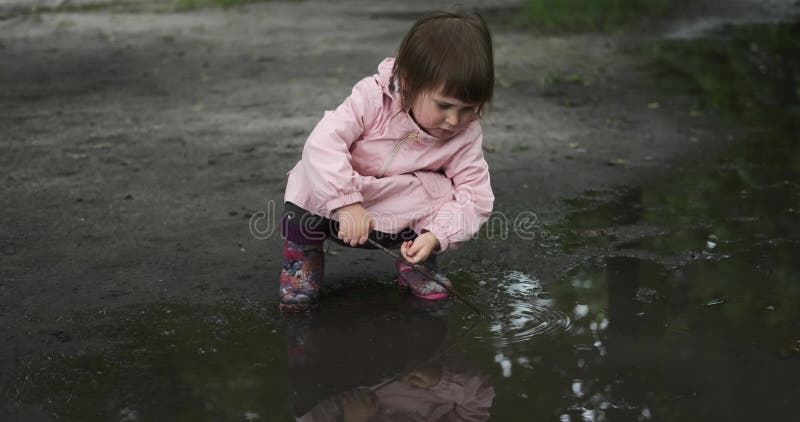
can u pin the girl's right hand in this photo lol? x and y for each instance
(355, 224)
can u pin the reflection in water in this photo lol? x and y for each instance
(692, 310)
(649, 348)
(523, 311)
(160, 362)
(381, 362)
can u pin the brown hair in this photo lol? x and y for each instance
(448, 49)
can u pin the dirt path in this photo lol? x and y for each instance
(136, 145)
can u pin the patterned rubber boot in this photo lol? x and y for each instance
(419, 284)
(301, 276)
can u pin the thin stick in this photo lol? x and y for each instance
(430, 274)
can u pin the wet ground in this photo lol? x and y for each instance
(641, 266)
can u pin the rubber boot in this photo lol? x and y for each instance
(419, 284)
(302, 268)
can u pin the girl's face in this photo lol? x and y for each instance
(442, 116)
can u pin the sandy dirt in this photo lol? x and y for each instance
(136, 145)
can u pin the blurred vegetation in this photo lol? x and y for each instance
(591, 15)
(752, 72)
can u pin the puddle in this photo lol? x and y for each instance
(693, 300)
(236, 361)
(524, 311)
(164, 362)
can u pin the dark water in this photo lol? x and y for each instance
(165, 362)
(687, 307)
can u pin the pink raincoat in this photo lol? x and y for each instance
(370, 150)
(458, 396)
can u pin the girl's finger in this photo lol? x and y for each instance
(422, 254)
(426, 250)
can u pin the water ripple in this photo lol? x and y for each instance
(521, 311)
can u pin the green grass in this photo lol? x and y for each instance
(751, 72)
(591, 15)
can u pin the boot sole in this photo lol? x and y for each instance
(295, 307)
(433, 296)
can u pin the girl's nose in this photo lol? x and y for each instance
(452, 119)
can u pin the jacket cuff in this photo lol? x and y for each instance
(444, 241)
(350, 198)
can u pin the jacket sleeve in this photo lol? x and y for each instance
(326, 154)
(460, 219)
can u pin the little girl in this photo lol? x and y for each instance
(399, 161)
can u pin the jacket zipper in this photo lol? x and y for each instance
(394, 153)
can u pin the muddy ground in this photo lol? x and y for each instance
(138, 143)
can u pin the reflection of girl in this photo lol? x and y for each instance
(434, 392)
(341, 348)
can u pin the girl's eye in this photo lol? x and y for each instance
(444, 106)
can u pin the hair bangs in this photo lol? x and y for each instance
(466, 79)
(448, 51)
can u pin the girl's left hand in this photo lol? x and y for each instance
(419, 249)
